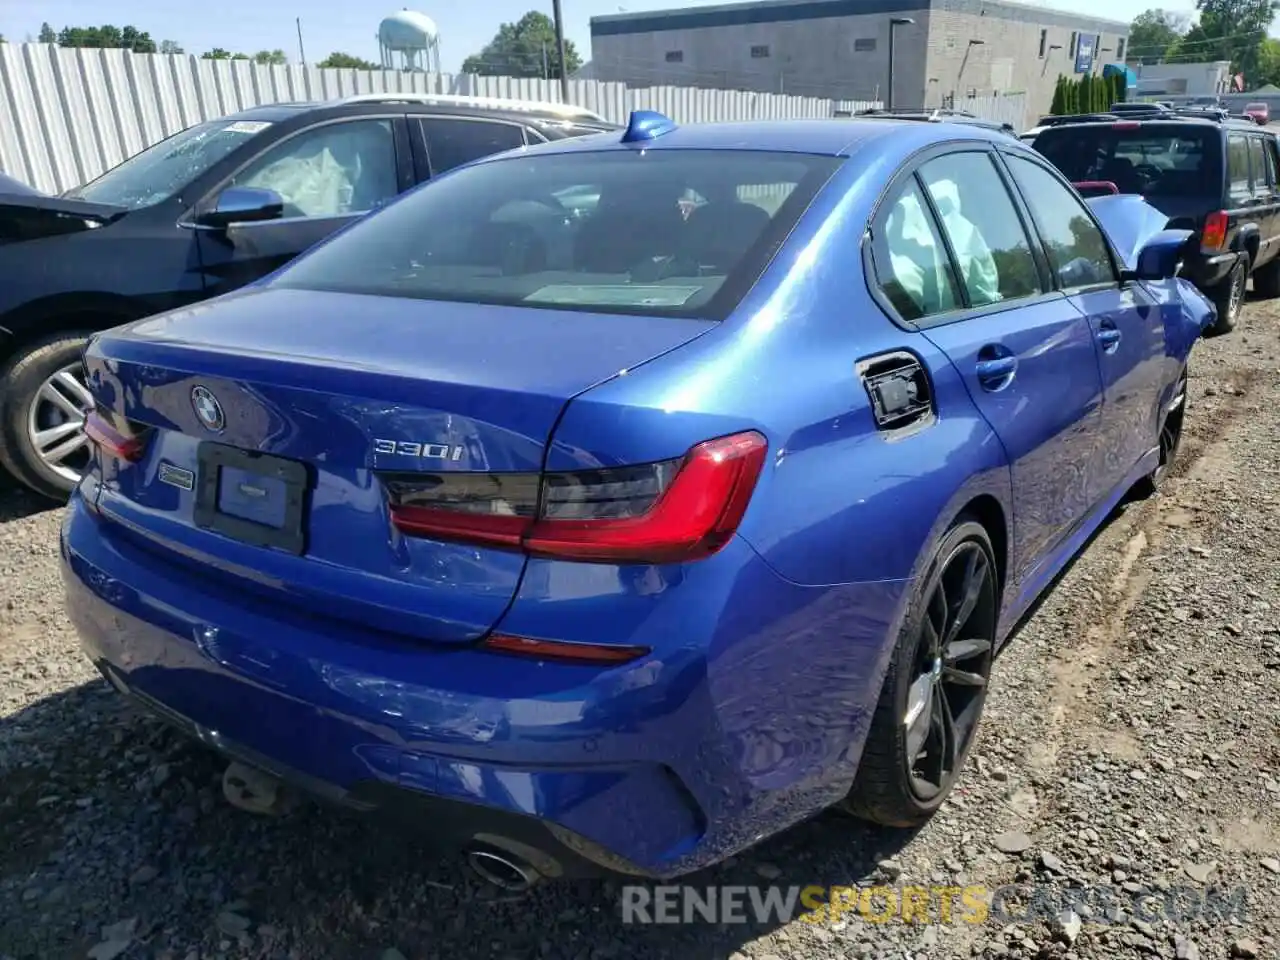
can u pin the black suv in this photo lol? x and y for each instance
(1214, 176)
(208, 210)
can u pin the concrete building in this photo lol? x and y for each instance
(840, 48)
(1184, 79)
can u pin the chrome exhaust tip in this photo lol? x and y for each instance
(501, 871)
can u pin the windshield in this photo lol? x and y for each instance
(1149, 160)
(160, 171)
(674, 232)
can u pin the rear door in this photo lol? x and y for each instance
(1125, 320)
(328, 175)
(1025, 352)
(1262, 174)
(1240, 202)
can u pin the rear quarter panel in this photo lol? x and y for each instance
(839, 501)
(786, 632)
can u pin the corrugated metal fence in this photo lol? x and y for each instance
(68, 115)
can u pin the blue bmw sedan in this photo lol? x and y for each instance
(614, 503)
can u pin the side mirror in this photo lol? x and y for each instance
(242, 205)
(1160, 256)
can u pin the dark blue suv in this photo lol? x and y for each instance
(206, 211)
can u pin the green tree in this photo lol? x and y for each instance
(274, 58)
(1059, 104)
(170, 47)
(526, 48)
(107, 36)
(1268, 63)
(1154, 34)
(1230, 30)
(345, 61)
(47, 34)
(217, 53)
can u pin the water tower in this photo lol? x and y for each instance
(409, 40)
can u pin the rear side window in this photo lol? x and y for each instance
(1238, 186)
(451, 143)
(1258, 167)
(911, 262)
(611, 231)
(977, 215)
(1151, 159)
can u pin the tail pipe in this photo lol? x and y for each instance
(503, 870)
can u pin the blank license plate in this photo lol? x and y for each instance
(251, 497)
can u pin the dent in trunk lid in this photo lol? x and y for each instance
(319, 379)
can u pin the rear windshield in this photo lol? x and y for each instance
(676, 232)
(1150, 160)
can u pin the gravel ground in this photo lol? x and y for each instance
(1130, 747)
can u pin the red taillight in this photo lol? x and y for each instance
(112, 440)
(665, 512)
(1213, 236)
(598, 654)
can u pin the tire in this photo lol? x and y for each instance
(886, 789)
(25, 412)
(1266, 280)
(1228, 297)
(1169, 438)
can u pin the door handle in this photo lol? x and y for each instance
(1109, 337)
(995, 368)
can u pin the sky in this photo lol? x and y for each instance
(351, 25)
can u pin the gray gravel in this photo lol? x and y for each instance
(1131, 743)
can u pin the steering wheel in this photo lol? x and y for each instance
(1147, 171)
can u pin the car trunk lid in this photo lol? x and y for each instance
(271, 419)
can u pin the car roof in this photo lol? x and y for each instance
(834, 137)
(1157, 120)
(426, 103)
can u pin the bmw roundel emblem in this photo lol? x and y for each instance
(208, 409)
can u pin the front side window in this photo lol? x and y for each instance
(911, 261)
(330, 171)
(1076, 248)
(991, 248)
(610, 231)
(165, 169)
(451, 143)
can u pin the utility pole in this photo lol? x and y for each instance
(564, 73)
(302, 54)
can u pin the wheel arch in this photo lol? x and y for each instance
(988, 511)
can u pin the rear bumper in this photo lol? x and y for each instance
(655, 768)
(1209, 272)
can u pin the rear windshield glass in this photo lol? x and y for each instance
(1150, 160)
(676, 232)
